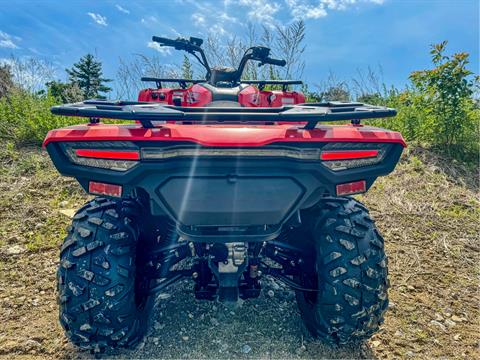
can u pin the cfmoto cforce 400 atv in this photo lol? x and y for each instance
(241, 180)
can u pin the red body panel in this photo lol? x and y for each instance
(195, 95)
(250, 97)
(278, 98)
(198, 96)
(225, 135)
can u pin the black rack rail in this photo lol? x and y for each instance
(146, 112)
(182, 82)
(262, 83)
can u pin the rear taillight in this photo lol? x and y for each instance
(356, 187)
(343, 156)
(112, 155)
(348, 154)
(108, 154)
(99, 188)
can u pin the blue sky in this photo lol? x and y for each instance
(342, 35)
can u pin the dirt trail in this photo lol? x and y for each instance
(427, 210)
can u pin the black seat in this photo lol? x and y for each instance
(224, 94)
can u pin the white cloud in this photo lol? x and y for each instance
(211, 19)
(261, 10)
(301, 9)
(218, 29)
(7, 41)
(338, 4)
(174, 31)
(225, 17)
(198, 19)
(99, 19)
(305, 9)
(122, 9)
(149, 20)
(161, 49)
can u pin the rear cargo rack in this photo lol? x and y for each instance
(146, 112)
(182, 82)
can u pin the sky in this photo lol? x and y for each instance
(342, 36)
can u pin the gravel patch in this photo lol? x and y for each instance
(268, 327)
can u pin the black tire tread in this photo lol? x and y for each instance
(96, 276)
(352, 273)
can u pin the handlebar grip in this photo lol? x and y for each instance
(163, 41)
(276, 62)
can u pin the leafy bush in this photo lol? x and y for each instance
(26, 117)
(438, 108)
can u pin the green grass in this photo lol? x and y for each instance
(32, 191)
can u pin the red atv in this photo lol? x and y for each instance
(223, 183)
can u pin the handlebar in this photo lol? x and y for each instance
(275, 62)
(178, 44)
(193, 46)
(164, 41)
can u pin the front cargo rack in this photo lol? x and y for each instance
(147, 112)
(182, 82)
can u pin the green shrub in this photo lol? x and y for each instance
(25, 118)
(438, 108)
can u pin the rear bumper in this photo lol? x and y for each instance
(243, 196)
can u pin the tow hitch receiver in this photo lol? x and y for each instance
(228, 263)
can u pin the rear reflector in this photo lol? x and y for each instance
(108, 154)
(104, 189)
(348, 154)
(355, 187)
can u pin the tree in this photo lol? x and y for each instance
(336, 93)
(289, 45)
(286, 42)
(6, 80)
(187, 70)
(65, 92)
(87, 74)
(128, 80)
(332, 89)
(26, 73)
(446, 92)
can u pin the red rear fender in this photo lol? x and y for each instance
(225, 135)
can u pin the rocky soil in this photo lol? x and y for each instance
(427, 210)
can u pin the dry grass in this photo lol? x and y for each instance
(427, 210)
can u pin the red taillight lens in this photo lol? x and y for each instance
(99, 188)
(351, 188)
(111, 155)
(342, 156)
(108, 154)
(348, 154)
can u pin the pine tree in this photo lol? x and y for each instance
(87, 74)
(187, 71)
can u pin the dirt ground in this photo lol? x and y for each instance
(427, 210)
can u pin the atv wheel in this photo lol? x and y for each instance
(98, 291)
(350, 273)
